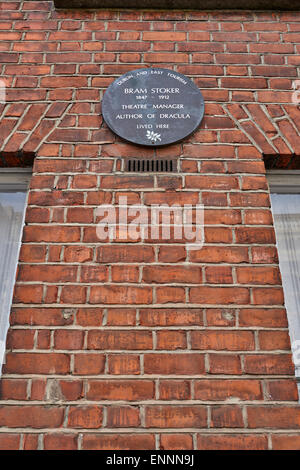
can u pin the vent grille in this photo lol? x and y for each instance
(149, 166)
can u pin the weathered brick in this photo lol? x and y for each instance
(176, 442)
(119, 340)
(222, 340)
(166, 364)
(176, 416)
(88, 417)
(232, 441)
(224, 390)
(129, 390)
(118, 441)
(123, 416)
(31, 416)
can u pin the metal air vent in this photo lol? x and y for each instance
(150, 166)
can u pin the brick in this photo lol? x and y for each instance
(46, 273)
(222, 340)
(38, 389)
(61, 441)
(249, 200)
(218, 235)
(225, 390)
(89, 364)
(124, 182)
(170, 295)
(171, 198)
(9, 441)
(36, 363)
(164, 36)
(218, 275)
(272, 318)
(9, 57)
(171, 317)
(120, 295)
(214, 199)
(200, 69)
(28, 294)
(264, 254)
(120, 364)
(174, 390)
(219, 295)
(31, 416)
(73, 294)
(11, 389)
(123, 416)
(89, 317)
(41, 182)
(125, 274)
(285, 389)
(20, 339)
(94, 274)
(285, 442)
(71, 389)
(88, 417)
(225, 364)
(116, 316)
(248, 83)
(30, 442)
(171, 340)
(166, 364)
(128, 390)
(268, 296)
(270, 340)
(226, 417)
(80, 215)
(78, 254)
(283, 417)
(175, 416)
(32, 116)
(118, 340)
(220, 254)
(118, 442)
(51, 234)
(232, 442)
(119, 254)
(170, 274)
(40, 316)
(258, 217)
(217, 182)
(255, 235)
(269, 364)
(218, 216)
(176, 442)
(220, 317)
(258, 275)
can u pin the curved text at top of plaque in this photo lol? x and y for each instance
(153, 107)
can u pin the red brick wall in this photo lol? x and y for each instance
(126, 345)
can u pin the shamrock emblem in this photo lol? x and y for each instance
(153, 136)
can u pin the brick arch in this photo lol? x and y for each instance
(273, 129)
(33, 127)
